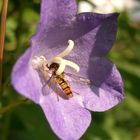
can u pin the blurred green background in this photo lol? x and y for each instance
(27, 121)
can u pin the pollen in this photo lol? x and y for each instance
(38, 61)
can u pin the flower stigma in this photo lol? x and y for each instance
(39, 62)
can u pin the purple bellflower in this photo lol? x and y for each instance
(95, 82)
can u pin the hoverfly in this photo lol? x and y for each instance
(60, 79)
(61, 82)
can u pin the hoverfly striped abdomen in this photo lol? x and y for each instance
(60, 79)
(65, 87)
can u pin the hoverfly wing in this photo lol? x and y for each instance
(51, 86)
(46, 90)
(78, 79)
(46, 87)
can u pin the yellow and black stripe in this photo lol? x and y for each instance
(60, 80)
(65, 87)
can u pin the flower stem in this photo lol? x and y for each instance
(2, 36)
(12, 106)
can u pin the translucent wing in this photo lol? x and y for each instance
(46, 87)
(51, 86)
(78, 79)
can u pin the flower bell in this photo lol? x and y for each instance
(93, 35)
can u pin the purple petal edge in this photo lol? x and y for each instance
(67, 118)
(106, 89)
(25, 79)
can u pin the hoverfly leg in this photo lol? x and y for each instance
(43, 89)
(44, 86)
(57, 97)
(76, 92)
(49, 80)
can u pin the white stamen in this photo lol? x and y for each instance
(71, 64)
(62, 65)
(67, 50)
(41, 62)
(61, 68)
(64, 62)
(57, 60)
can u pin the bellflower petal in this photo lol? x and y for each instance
(63, 115)
(94, 31)
(93, 35)
(56, 12)
(106, 89)
(89, 31)
(66, 117)
(25, 80)
(55, 16)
